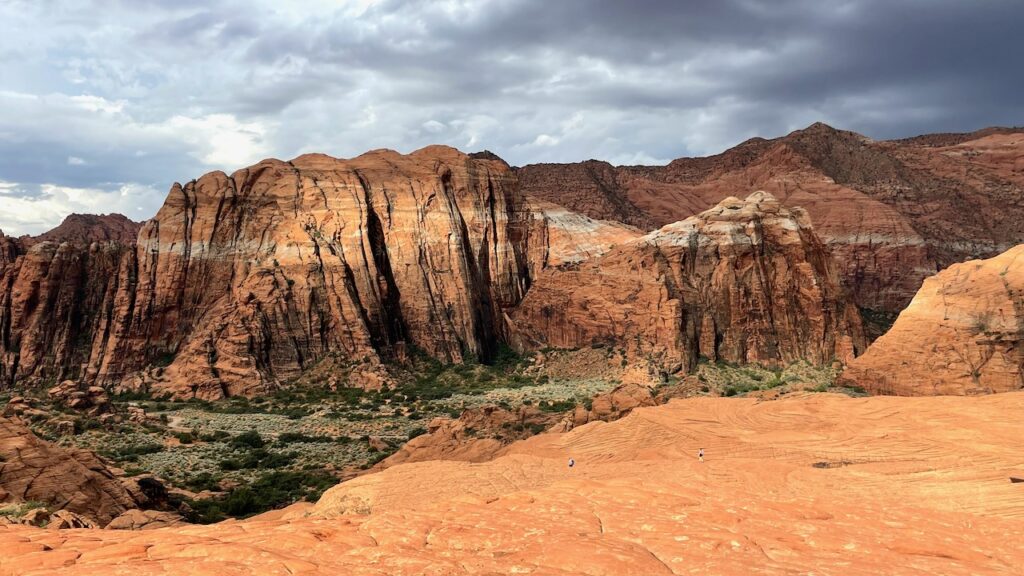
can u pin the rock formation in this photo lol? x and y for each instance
(892, 213)
(962, 334)
(787, 487)
(747, 281)
(33, 470)
(85, 229)
(246, 281)
(242, 282)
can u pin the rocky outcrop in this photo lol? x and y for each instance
(91, 400)
(136, 519)
(85, 229)
(54, 300)
(747, 281)
(244, 282)
(477, 435)
(241, 282)
(962, 334)
(892, 213)
(610, 406)
(33, 470)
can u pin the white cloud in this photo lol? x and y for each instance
(545, 140)
(219, 140)
(25, 213)
(76, 161)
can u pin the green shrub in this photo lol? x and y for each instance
(201, 482)
(299, 437)
(215, 436)
(250, 439)
(132, 453)
(269, 491)
(258, 459)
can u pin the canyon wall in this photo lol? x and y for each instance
(746, 281)
(892, 212)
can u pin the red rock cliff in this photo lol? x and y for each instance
(746, 281)
(892, 213)
(243, 282)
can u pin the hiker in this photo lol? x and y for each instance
(571, 462)
(700, 455)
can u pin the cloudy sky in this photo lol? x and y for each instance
(105, 103)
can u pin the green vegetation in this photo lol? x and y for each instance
(19, 510)
(268, 492)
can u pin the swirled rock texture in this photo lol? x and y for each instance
(33, 470)
(962, 334)
(746, 281)
(819, 483)
(891, 212)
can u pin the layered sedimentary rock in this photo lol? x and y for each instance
(54, 298)
(560, 237)
(962, 334)
(247, 280)
(33, 470)
(747, 281)
(243, 281)
(892, 213)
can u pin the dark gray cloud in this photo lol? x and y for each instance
(115, 99)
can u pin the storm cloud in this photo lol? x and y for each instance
(105, 103)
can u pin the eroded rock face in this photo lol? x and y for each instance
(55, 299)
(246, 281)
(892, 213)
(747, 281)
(32, 469)
(242, 281)
(962, 334)
(85, 229)
(638, 502)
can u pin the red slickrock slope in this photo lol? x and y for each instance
(962, 334)
(892, 212)
(32, 469)
(819, 483)
(746, 281)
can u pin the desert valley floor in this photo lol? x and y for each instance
(811, 483)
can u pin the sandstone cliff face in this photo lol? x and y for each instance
(892, 213)
(53, 299)
(247, 280)
(243, 282)
(962, 334)
(32, 469)
(747, 281)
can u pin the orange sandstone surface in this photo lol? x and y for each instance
(962, 334)
(818, 483)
